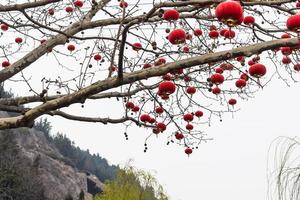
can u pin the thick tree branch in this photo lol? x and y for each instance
(28, 118)
(18, 7)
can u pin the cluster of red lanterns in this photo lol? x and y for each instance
(130, 105)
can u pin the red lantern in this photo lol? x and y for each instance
(51, 11)
(97, 57)
(257, 70)
(293, 23)
(171, 15)
(216, 91)
(71, 47)
(129, 105)
(226, 66)
(297, 67)
(177, 36)
(219, 70)
(217, 78)
(285, 36)
(166, 87)
(244, 76)
(69, 9)
(191, 90)
(249, 20)
(160, 61)
(188, 117)
(185, 49)
(5, 64)
(198, 113)
(232, 102)
(78, 3)
(161, 126)
(135, 109)
(152, 120)
(123, 4)
(147, 65)
(188, 151)
(179, 136)
(4, 27)
(230, 13)
(213, 34)
(240, 83)
(286, 50)
(286, 60)
(137, 46)
(189, 127)
(240, 59)
(197, 32)
(159, 110)
(145, 118)
(18, 40)
(222, 32)
(229, 34)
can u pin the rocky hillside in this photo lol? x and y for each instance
(53, 173)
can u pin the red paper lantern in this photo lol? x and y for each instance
(229, 34)
(240, 83)
(71, 47)
(171, 15)
(145, 118)
(4, 27)
(297, 67)
(179, 136)
(137, 46)
(69, 9)
(18, 40)
(257, 70)
(123, 4)
(97, 57)
(230, 13)
(147, 65)
(177, 36)
(293, 23)
(5, 64)
(191, 90)
(249, 20)
(188, 151)
(213, 34)
(161, 126)
(217, 78)
(286, 60)
(232, 102)
(78, 3)
(198, 113)
(166, 87)
(197, 32)
(159, 110)
(51, 11)
(160, 61)
(216, 91)
(188, 117)
(189, 127)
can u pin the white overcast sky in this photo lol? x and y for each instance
(232, 166)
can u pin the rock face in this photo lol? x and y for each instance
(59, 179)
